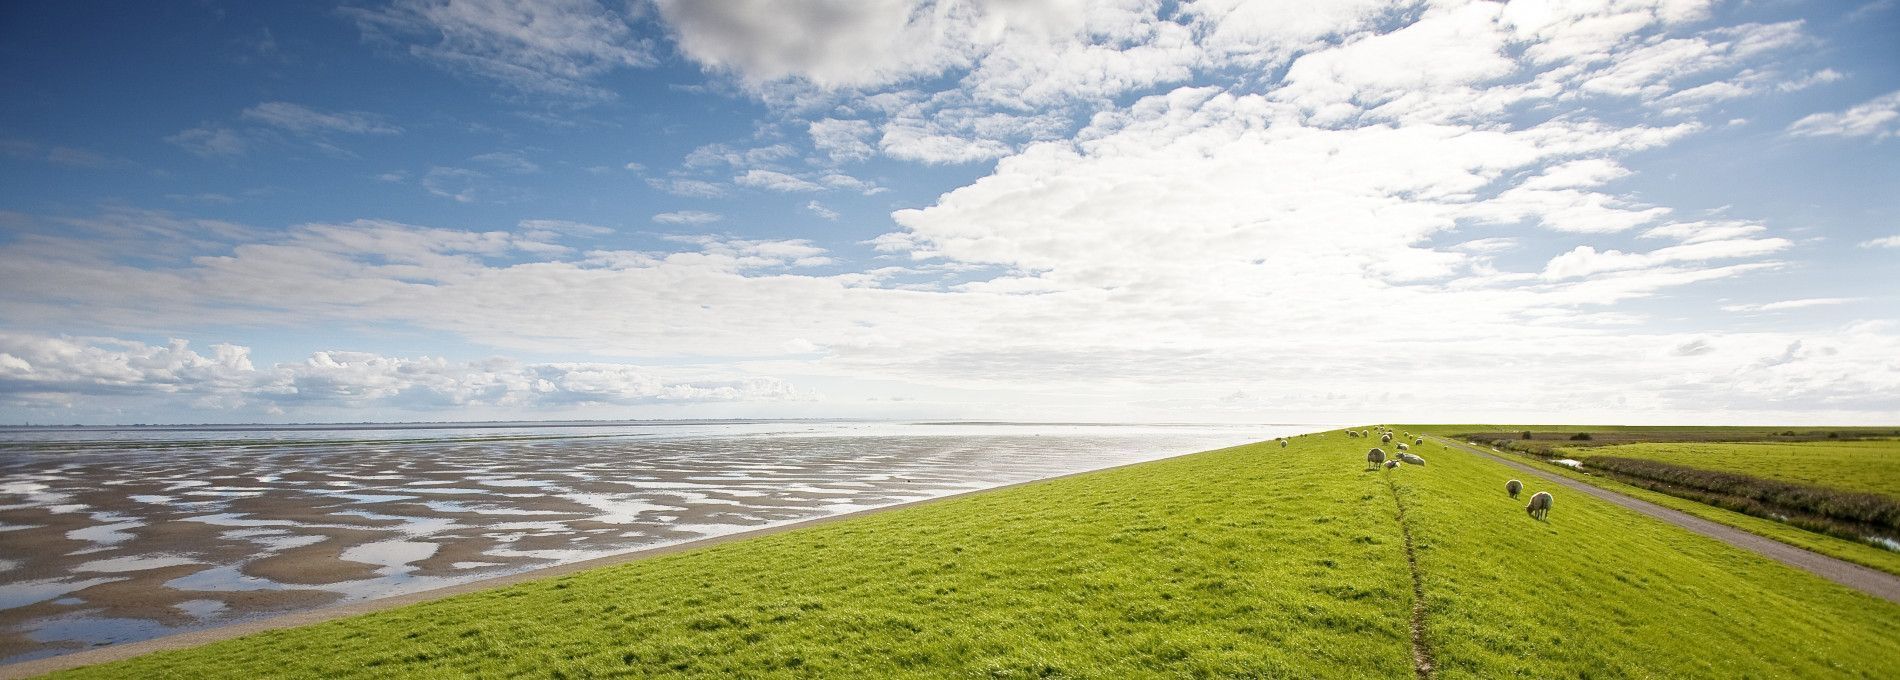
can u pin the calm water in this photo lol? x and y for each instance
(112, 535)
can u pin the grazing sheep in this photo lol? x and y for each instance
(1352, 435)
(1420, 441)
(1409, 458)
(1391, 463)
(1512, 487)
(1385, 438)
(1374, 458)
(1540, 505)
(1283, 443)
(1403, 447)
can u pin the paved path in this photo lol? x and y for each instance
(1871, 581)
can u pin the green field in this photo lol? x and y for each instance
(1253, 562)
(1868, 465)
(1866, 445)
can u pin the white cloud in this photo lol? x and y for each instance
(774, 181)
(842, 140)
(1788, 304)
(1882, 242)
(211, 140)
(36, 370)
(687, 217)
(830, 43)
(691, 188)
(1136, 243)
(1878, 118)
(1585, 260)
(537, 47)
(305, 120)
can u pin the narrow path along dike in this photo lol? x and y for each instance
(1871, 581)
(1422, 660)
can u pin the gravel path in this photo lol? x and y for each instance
(1871, 581)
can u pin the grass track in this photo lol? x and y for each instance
(1245, 562)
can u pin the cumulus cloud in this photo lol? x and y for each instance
(1166, 217)
(1878, 118)
(36, 370)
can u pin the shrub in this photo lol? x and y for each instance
(1580, 437)
(1762, 497)
(1527, 434)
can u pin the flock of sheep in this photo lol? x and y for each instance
(1539, 507)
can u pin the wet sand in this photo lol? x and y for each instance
(122, 543)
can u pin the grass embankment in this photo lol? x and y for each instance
(1789, 461)
(1253, 561)
(1867, 466)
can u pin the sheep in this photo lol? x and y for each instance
(1409, 458)
(1403, 447)
(1283, 442)
(1512, 487)
(1374, 458)
(1391, 463)
(1540, 505)
(1419, 441)
(1385, 438)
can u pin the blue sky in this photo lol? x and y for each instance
(1642, 211)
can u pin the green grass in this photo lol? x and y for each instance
(1246, 562)
(1871, 466)
(1839, 548)
(1600, 591)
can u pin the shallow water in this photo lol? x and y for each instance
(123, 535)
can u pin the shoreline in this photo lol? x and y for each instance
(193, 638)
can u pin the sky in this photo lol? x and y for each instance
(1578, 211)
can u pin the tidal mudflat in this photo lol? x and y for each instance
(113, 536)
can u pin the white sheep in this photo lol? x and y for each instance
(1374, 458)
(1420, 441)
(1391, 463)
(1540, 505)
(1409, 458)
(1385, 438)
(1403, 447)
(1513, 487)
(1283, 442)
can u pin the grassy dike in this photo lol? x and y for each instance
(1253, 561)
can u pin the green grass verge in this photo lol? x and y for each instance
(1255, 561)
(1853, 551)
(1871, 466)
